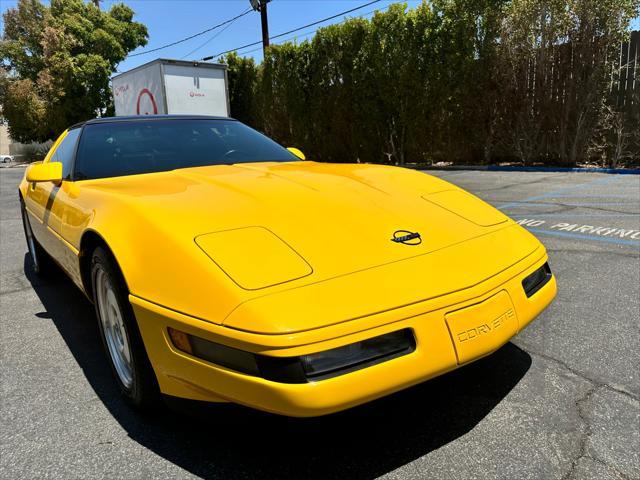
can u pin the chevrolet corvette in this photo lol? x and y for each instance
(226, 268)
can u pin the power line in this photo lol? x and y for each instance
(284, 40)
(214, 36)
(194, 35)
(294, 30)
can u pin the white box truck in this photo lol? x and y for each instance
(166, 86)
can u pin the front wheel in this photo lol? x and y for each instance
(120, 335)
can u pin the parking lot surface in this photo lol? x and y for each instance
(560, 401)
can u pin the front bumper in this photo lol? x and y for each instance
(447, 334)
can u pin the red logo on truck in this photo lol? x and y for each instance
(121, 89)
(145, 91)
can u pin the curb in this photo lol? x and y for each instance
(498, 168)
(16, 165)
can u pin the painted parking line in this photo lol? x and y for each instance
(589, 195)
(618, 241)
(564, 204)
(599, 233)
(541, 223)
(564, 215)
(561, 191)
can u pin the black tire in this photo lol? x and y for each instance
(142, 391)
(40, 260)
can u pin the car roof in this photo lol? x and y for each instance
(138, 118)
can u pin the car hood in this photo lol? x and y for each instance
(338, 218)
(270, 226)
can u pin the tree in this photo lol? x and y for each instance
(557, 57)
(466, 81)
(243, 76)
(57, 62)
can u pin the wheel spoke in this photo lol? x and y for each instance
(113, 327)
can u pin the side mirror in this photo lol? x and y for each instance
(45, 172)
(298, 153)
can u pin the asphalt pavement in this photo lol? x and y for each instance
(559, 401)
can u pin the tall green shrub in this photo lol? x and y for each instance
(467, 81)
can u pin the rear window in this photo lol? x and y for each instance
(129, 148)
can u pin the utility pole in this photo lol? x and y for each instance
(261, 6)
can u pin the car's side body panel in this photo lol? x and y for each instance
(45, 209)
(47, 205)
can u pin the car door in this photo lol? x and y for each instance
(42, 201)
(74, 214)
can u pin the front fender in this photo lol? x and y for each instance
(161, 263)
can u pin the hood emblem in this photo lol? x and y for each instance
(406, 237)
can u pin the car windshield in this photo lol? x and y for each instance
(119, 148)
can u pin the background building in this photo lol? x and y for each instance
(20, 151)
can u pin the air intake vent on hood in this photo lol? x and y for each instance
(254, 257)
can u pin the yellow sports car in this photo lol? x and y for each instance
(224, 267)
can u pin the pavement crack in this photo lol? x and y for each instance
(588, 207)
(577, 373)
(556, 208)
(560, 207)
(584, 436)
(622, 475)
(517, 185)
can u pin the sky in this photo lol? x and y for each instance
(172, 20)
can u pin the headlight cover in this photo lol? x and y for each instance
(303, 369)
(534, 282)
(358, 355)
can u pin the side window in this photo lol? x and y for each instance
(64, 152)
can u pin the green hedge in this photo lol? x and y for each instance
(463, 81)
